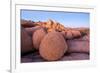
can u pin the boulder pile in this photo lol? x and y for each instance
(53, 41)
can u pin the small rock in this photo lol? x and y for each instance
(76, 33)
(68, 34)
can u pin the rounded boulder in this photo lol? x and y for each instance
(38, 35)
(53, 46)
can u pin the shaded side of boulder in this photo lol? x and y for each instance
(26, 41)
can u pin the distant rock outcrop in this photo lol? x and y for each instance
(51, 25)
(26, 23)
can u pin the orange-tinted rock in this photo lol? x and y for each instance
(50, 30)
(62, 27)
(26, 41)
(38, 36)
(64, 34)
(69, 35)
(53, 46)
(76, 33)
(54, 25)
(49, 24)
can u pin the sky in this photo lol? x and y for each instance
(68, 19)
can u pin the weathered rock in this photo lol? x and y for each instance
(38, 36)
(71, 34)
(68, 35)
(76, 56)
(76, 33)
(64, 34)
(25, 23)
(50, 30)
(31, 30)
(26, 41)
(78, 45)
(50, 24)
(84, 31)
(53, 46)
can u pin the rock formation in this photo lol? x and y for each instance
(53, 40)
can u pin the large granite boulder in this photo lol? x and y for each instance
(53, 46)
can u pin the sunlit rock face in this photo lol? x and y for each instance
(53, 46)
(37, 37)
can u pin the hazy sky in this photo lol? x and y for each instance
(70, 19)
